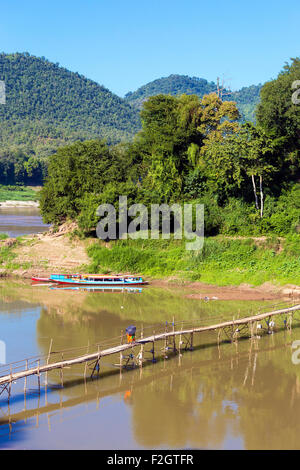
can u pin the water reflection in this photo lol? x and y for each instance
(240, 395)
(97, 288)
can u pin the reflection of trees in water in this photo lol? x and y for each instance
(214, 404)
(154, 305)
(183, 410)
(70, 330)
(252, 394)
(270, 408)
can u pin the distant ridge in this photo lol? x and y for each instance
(47, 106)
(247, 97)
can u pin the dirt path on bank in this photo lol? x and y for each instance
(42, 255)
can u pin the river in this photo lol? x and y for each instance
(18, 221)
(235, 396)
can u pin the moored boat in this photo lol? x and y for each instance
(97, 279)
(41, 279)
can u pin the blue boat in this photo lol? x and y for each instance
(97, 280)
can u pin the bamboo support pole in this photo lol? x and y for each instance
(61, 370)
(25, 379)
(180, 340)
(192, 341)
(166, 338)
(9, 392)
(39, 376)
(153, 348)
(85, 365)
(141, 353)
(48, 358)
(121, 355)
(174, 340)
(254, 369)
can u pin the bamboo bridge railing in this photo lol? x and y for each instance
(233, 329)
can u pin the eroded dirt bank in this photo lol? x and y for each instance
(43, 254)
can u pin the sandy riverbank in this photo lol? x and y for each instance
(200, 290)
(17, 204)
(44, 254)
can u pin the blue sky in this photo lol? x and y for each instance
(125, 44)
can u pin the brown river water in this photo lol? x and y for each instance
(243, 395)
(17, 221)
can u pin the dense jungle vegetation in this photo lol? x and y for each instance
(192, 149)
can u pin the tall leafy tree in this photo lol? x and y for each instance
(74, 171)
(279, 114)
(257, 152)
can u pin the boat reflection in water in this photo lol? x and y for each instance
(99, 288)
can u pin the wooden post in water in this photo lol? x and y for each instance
(179, 348)
(61, 371)
(268, 321)
(192, 341)
(121, 355)
(153, 348)
(232, 331)
(141, 353)
(219, 336)
(39, 377)
(98, 361)
(25, 379)
(10, 384)
(290, 321)
(166, 339)
(48, 358)
(254, 369)
(85, 365)
(251, 329)
(174, 338)
(96, 366)
(256, 327)
(180, 339)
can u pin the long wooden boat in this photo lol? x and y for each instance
(97, 280)
(41, 279)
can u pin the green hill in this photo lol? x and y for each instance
(47, 106)
(247, 98)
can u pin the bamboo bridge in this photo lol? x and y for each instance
(135, 353)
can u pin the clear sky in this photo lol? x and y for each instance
(123, 44)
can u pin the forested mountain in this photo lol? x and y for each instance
(48, 106)
(246, 98)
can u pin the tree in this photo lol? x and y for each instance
(169, 128)
(176, 132)
(279, 116)
(257, 152)
(76, 170)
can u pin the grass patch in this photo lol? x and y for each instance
(17, 193)
(6, 256)
(222, 261)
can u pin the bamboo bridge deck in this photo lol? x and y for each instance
(233, 329)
